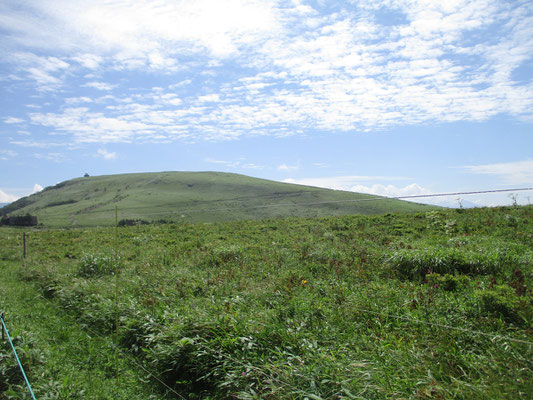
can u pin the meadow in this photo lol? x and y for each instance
(431, 305)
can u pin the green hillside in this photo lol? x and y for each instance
(191, 197)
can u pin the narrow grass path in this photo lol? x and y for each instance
(61, 360)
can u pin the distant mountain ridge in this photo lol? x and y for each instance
(191, 197)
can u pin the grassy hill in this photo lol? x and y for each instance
(191, 197)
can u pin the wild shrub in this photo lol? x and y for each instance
(9, 372)
(224, 255)
(182, 360)
(448, 282)
(501, 301)
(44, 278)
(416, 264)
(11, 379)
(91, 266)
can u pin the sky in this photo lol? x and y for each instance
(390, 97)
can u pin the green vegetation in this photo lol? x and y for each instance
(186, 197)
(434, 305)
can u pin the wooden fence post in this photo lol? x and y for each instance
(24, 241)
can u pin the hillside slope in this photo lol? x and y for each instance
(191, 197)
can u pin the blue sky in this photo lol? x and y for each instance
(392, 97)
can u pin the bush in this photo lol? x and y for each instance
(501, 301)
(416, 264)
(224, 255)
(448, 282)
(132, 222)
(95, 266)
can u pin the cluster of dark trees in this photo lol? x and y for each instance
(131, 222)
(20, 220)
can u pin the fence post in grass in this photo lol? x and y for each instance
(24, 243)
(3, 334)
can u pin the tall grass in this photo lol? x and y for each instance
(344, 307)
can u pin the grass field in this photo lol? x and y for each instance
(433, 305)
(187, 197)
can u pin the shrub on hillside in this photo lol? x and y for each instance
(132, 222)
(224, 255)
(501, 301)
(94, 266)
(448, 282)
(416, 264)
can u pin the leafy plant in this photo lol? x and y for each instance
(97, 265)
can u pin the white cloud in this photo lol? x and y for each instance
(37, 188)
(13, 120)
(106, 155)
(78, 100)
(253, 166)
(56, 157)
(47, 72)
(209, 98)
(7, 154)
(234, 164)
(515, 173)
(391, 191)
(292, 68)
(90, 61)
(91, 127)
(100, 85)
(7, 198)
(342, 182)
(45, 80)
(132, 29)
(36, 143)
(350, 183)
(286, 167)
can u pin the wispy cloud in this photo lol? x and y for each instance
(231, 164)
(90, 61)
(353, 183)
(349, 183)
(293, 66)
(13, 120)
(286, 167)
(91, 127)
(7, 198)
(346, 182)
(56, 157)
(234, 164)
(78, 100)
(10, 195)
(412, 189)
(37, 144)
(515, 173)
(100, 86)
(106, 155)
(46, 72)
(7, 154)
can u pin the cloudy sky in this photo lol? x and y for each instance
(393, 97)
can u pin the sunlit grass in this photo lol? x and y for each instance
(392, 306)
